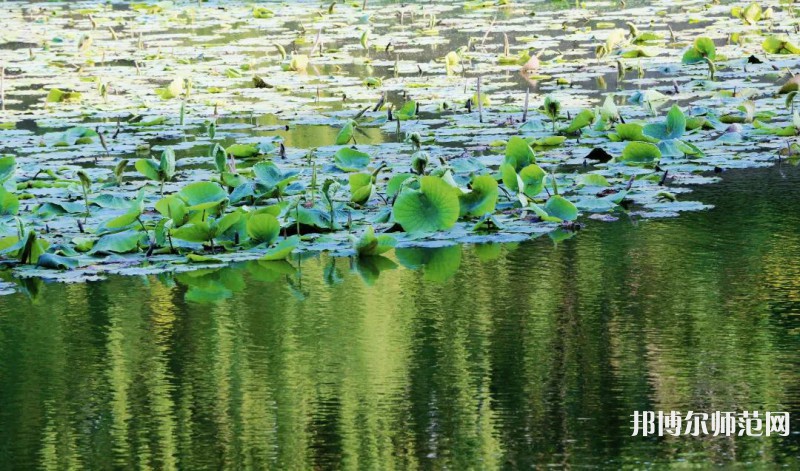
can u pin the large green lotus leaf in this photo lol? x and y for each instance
(9, 203)
(519, 153)
(8, 165)
(228, 221)
(263, 228)
(121, 242)
(706, 47)
(370, 245)
(56, 96)
(673, 128)
(123, 220)
(638, 52)
(200, 231)
(282, 249)
(56, 262)
(408, 111)
(396, 182)
(751, 13)
(779, 45)
(345, 134)
(482, 199)
(360, 187)
(549, 141)
(149, 168)
(559, 207)
(314, 217)
(533, 179)
(692, 56)
(76, 135)
(640, 152)
(172, 207)
(351, 160)
(432, 208)
(202, 195)
(632, 132)
(580, 121)
(509, 176)
(268, 174)
(242, 150)
(594, 179)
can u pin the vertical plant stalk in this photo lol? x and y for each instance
(488, 31)
(527, 98)
(480, 101)
(297, 215)
(86, 203)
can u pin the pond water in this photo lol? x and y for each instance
(501, 356)
(490, 356)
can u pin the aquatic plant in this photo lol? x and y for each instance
(161, 171)
(278, 154)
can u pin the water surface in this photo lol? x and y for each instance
(483, 357)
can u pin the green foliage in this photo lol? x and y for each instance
(481, 199)
(779, 45)
(640, 152)
(161, 171)
(350, 159)
(703, 48)
(263, 228)
(369, 244)
(673, 128)
(434, 207)
(519, 153)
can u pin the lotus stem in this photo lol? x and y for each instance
(488, 31)
(86, 203)
(480, 101)
(139, 219)
(711, 68)
(297, 215)
(527, 97)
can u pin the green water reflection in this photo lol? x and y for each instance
(474, 358)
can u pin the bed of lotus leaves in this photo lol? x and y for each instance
(170, 136)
